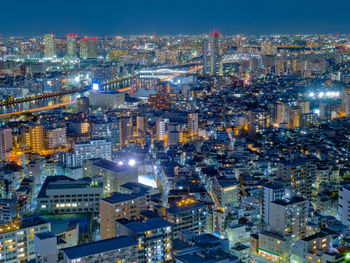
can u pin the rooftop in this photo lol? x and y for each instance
(147, 225)
(101, 246)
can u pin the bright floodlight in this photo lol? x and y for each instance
(321, 94)
(120, 163)
(132, 162)
(95, 86)
(311, 94)
(77, 79)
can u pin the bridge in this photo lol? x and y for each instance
(42, 96)
(50, 107)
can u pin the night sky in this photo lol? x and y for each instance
(99, 17)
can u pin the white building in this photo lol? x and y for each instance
(94, 148)
(344, 205)
(271, 192)
(64, 195)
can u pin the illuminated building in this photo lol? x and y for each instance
(310, 248)
(159, 101)
(17, 239)
(258, 120)
(289, 217)
(5, 142)
(161, 129)
(269, 247)
(125, 130)
(50, 46)
(118, 249)
(189, 215)
(35, 138)
(271, 191)
(118, 206)
(83, 105)
(211, 55)
(192, 124)
(226, 192)
(88, 48)
(216, 223)
(55, 138)
(64, 195)
(298, 174)
(114, 174)
(154, 238)
(95, 148)
(71, 46)
(8, 210)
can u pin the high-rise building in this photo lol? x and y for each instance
(55, 138)
(6, 142)
(211, 55)
(299, 174)
(17, 239)
(192, 124)
(71, 46)
(50, 46)
(125, 130)
(189, 215)
(344, 205)
(154, 238)
(271, 192)
(161, 129)
(289, 217)
(88, 48)
(119, 206)
(35, 138)
(95, 148)
(226, 192)
(45, 245)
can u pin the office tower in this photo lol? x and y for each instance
(161, 129)
(118, 206)
(6, 142)
(88, 48)
(55, 138)
(289, 217)
(344, 205)
(269, 247)
(154, 238)
(114, 174)
(271, 192)
(95, 148)
(64, 195)
(35, 138)
(311, 248)
(211, 55)
(192, 124)
(298, 174)
(45, 245)
(71, 46)
(17, 239)
(294, 120)
(125, 130)
(226, 192)
(187, 214)
(119, 249)
(50, 46)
